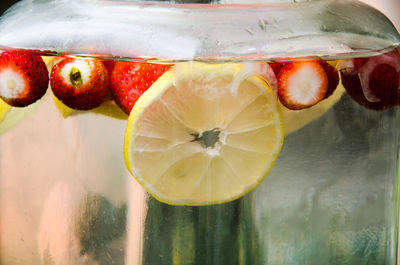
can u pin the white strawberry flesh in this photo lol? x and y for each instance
(302, 84)
(12, 84)
(85, 68)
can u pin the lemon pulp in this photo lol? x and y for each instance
(203, 134)
(4, 108)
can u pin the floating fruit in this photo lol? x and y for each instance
(333, 78)
(11, 116)
(374, 82)
(212, 131)
(129, 80)
(24, 78)
(302, 84)
(296, 119)
(107, 108)
(80, 84)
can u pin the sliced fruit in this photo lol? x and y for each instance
(277, 67)
(109, 64)
(374, 82)
(333, 77)
(265, 71)
(80, 84)
(129, 80)
(296, 119)
(203, 134)
(49, 61)
(4, 108)
(330, 70)
(11, 116)
(108, 108)
(23, 77)
(64, 110)
(302, 84)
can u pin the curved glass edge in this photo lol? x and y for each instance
(165, 31)
(394, 235)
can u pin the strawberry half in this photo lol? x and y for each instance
(277, 67)
(333, 77)
(80, 83)
(23, 77)
(373, 82)
(129, 80)
(302, 84)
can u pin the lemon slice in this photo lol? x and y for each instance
(49, 61)
(4, 108)
(297, 119)
(203, 134)
(107, 108)
(11, 116)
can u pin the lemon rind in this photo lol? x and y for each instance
(156, 91)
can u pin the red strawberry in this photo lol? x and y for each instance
(333, 77)
(129, 80)
(374, 82)
(302, 84)
(331, 73)
(80, 83)
(109, 64)
(277, 67)
(359, 62)
(23, 77)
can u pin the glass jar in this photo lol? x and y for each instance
(330, 194)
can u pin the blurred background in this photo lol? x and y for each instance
(390, 8)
